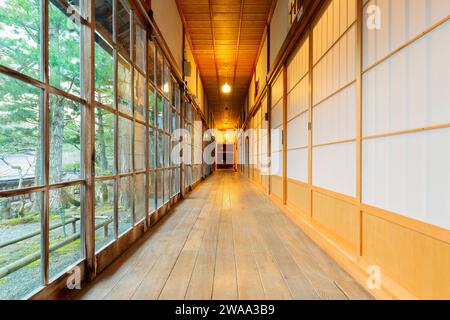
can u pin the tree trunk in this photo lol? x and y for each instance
(101, 151)
(102, 159)
(37, 179)
(5, 209)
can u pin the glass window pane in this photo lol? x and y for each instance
(178, 99)
(65, 242)
(159, 70)
(152, 149)
(104, 143)
(166, 186)
(173, 183)
(139, 147)
(174, 125)
(166, 151)
(104, 15)
(140, 41)
(20, 217)
(151, 61)
(104, 213)
(175, 151)
(65, 139)
(124, 86)
(166, 115)
(20, 144)
(125, 145)
(160, 189)
(140, 195)
(139, 95)
(167, 81)
(20, 27)
(104, 72)
(151, 106)
(126, 196)
(160, 150)
(64, 49)
(151, 193)
(123, 32)
(159, 111)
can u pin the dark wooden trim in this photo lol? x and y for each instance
(296, 32)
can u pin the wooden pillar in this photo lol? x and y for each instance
(359, 94)
(284, 158)
(88, 72)
(45, 210)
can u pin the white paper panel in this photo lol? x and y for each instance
(276, 139)
(401, 21)
(264, 144)
(298, 99)
(334, 167)
(297, 132)
(299, 65)
(264, 123)
(335, 118)
(297, 165)
(277, 90)
(337, 17)
(409, 174)
(277, 115)
(410, 90)
(276, 164)
(337, 68)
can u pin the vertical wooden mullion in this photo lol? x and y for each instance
(133, 110)
(269, 138)
(284, 134)
(116, 121)
(45, 242)
(182, 114)
(88, 150)
(183, 127)
(359, 102)
(310, 122)
(147, 136)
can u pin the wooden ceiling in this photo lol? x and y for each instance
(225, 36)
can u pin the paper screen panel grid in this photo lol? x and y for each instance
(411, 89)
(297, 114)
(299, 65)
(336, 19)
(401, 21)
(407, 172)
(409, 175)
(334, 167)
(335, 118)
(277, 127)
(337, 68)
(334, 99)
(264, 134)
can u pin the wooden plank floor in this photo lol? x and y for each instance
(227, 240)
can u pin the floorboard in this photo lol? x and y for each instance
(225, 241)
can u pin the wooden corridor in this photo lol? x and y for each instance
(227, 240)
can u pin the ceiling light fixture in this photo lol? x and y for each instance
(226, 88)
(166, 88)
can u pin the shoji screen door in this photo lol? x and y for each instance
(334, 99)
(276, 169)
(406, 111)
(298, 101)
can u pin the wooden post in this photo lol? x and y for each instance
(88, 222)
(284, 198)
(359, 95)
(45, 210)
